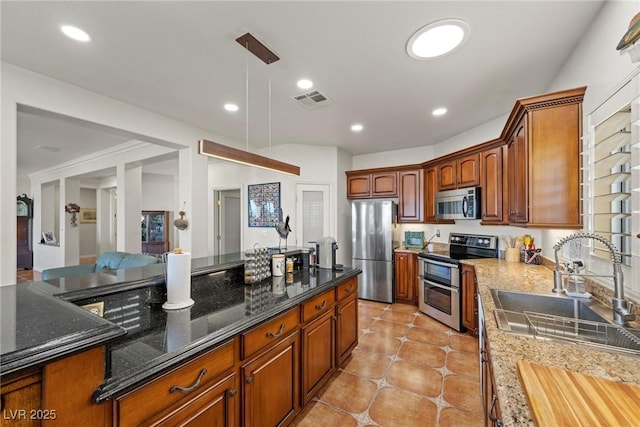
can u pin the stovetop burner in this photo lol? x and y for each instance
(465, 246)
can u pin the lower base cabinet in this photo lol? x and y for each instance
(271, 394)
(346, 327)
(20, 399)
(318, 354)
(469, 299)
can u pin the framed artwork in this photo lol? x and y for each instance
(87, 216)
(264, 205)
(48, 237)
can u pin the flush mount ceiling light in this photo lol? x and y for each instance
(305, 84)
(225, 152)
(439, 112)
(357, 127)
(75, 33)
(438, 38)
(231, 107)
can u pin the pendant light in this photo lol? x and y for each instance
(225, 152)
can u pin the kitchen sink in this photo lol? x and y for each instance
(560, 318)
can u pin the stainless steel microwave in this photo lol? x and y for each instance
(464, 203)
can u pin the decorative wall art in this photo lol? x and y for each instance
(87, 216)
(264, 205)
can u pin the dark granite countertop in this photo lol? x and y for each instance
(36, 328)
(41, 321)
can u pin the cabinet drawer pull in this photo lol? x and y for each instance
(277, 334)
(321, 306)
(233, 392)
(349, 289)
(250, 380)
(193, 387)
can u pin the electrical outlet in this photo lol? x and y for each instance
(437, 233)
(96, 308)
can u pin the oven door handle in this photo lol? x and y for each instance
(444, 264)
(436, 285)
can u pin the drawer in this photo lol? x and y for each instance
(145, 402)
(269, 332)
(318, 305)
(347, 289)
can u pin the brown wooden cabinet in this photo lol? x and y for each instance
(367, 184)
(406, 277)
(430, 190)
(411, 196)
(200, 390)
(447, 175)
(20, 397)
(493, 415)
(493, 179)
(155, 232)
(318, 354)
(469, 299)
(347, 320)
(543, 134)
(264, 403)
(468, 171)
(24, 232)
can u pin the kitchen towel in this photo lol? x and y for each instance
(178, 281)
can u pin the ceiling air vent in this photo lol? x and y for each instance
(312, 100)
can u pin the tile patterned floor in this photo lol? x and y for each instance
(408, 370)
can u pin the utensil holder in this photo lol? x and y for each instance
(512, 255)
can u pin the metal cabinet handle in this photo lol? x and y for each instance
(233, 392)
(191, 388)
(277, 334)
(350, 288)
(250, 380)
(321, 306)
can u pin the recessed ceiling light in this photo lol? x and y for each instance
(231, 107)
(438, 38)
(75, 33)
(305, 84)
(357, 127)
(439, 111)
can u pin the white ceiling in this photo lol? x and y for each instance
(180, 59)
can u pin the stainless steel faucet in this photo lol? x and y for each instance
(621, 308)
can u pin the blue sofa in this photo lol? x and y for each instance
(106, 261)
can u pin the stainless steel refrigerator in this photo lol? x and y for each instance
(372, 248)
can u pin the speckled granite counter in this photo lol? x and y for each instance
(36, 328)
(506, 349)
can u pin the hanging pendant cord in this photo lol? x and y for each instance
(269, 111)
(246, 91)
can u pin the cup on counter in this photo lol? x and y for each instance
(512, 254)
(277, 265)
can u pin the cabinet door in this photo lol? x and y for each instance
(384, 184)
(518, 177)
(19, 396)
(430, 189)
(264, 404)
(447, 176)
(492, 177)
(215, 406)
(468, 171)
(406, 277)
(410, 198)
(346, 328)
(318, 354)
(358, 186)
(155, 232)
(469, 302)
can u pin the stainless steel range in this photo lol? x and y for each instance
(439, 293)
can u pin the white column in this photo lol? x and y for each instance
(192, 189)
(8, 254)
(129, 209)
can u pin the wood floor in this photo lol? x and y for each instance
(35, 276)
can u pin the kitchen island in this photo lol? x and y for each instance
(506, 348)
(309, 318)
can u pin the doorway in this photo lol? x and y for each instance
(312, 213)
(227, 221)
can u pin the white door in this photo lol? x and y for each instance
(312, 213)
(227, 221)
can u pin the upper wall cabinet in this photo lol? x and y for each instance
(543, 135)
(459, 172)
(363, 184)
(411, 200)
(493, 180)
